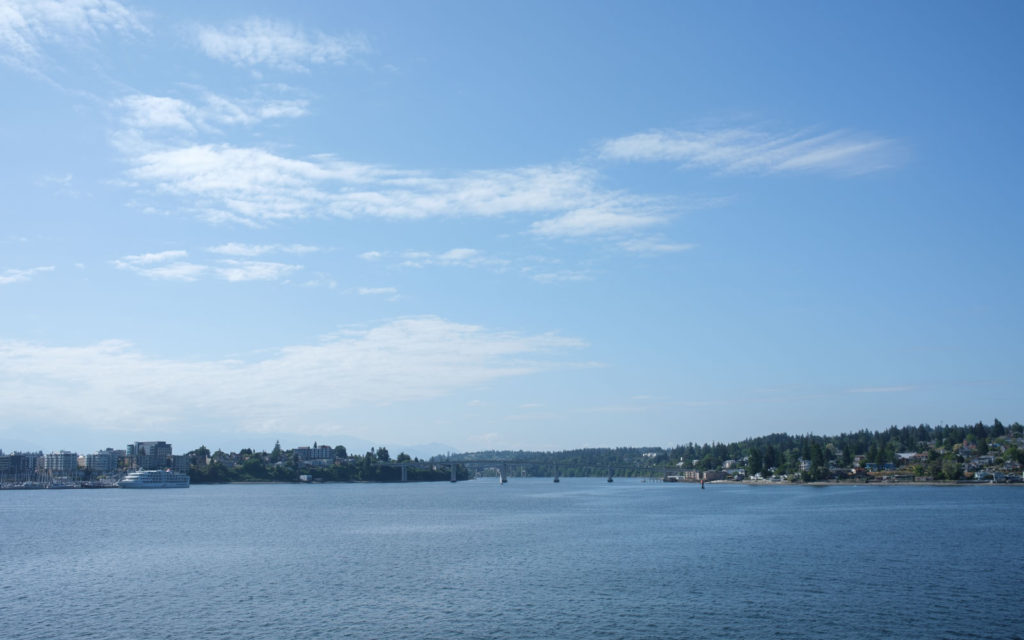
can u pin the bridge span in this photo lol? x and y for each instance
(506, 469)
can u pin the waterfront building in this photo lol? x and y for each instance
(61, 463)
(150, 455)
(18, 467)
(104, 461)
(179, 464)
(323, 452)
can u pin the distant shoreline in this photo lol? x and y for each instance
(719, 482)
(823, 483)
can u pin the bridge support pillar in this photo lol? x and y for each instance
(556, 473)
(503, 472)
(405, 473)
(454, 466)
(610, 475)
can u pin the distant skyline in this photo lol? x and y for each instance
(506, 226)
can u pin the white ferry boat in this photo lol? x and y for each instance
(154, 479)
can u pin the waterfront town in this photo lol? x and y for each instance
(970, 454)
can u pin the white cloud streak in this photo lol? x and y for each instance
(377, 291)
(594, 221)
(460, 257)
(26, 26)
(561, 276)
(253, 250)
(143, 112)
(153, 258)
(165, 265)
(253, 186)
(653, 246)
(111, 384)
(171, 265)
(751, 151)
(246, 270)
(11, 276)
(154, 112)
(256, 42)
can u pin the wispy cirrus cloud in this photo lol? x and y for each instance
(459, 257)
(564, 275)
(246, 185)
(144, 112)
(247, 270)
(155, 112)
(650, 245)
(173, 265)
(10, 276)
(253, 186)
(253, 250)
(152, 258)
(526, 266)
(114, 385)
(754, 151)
(26, 26)
(261, 42)
(218, 109)
(164, 265)
(319, 280)
(593, 221)
(377, 291)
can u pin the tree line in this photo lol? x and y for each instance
(782, 453)
(280, 465)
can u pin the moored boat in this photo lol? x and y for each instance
(154, 479)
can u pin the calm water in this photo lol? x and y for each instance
(531, 559)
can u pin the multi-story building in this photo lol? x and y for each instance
(150, 455)
(61, 463)
(104, 461)
(18, 467)
(179, 464)
(323, 452)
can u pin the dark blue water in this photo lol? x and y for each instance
(531, 559)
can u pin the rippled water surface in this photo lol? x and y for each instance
(530, 559)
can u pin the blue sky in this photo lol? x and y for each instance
(523, 225)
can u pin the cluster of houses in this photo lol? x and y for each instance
(991, 466)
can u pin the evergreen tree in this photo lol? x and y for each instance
(754, 461)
